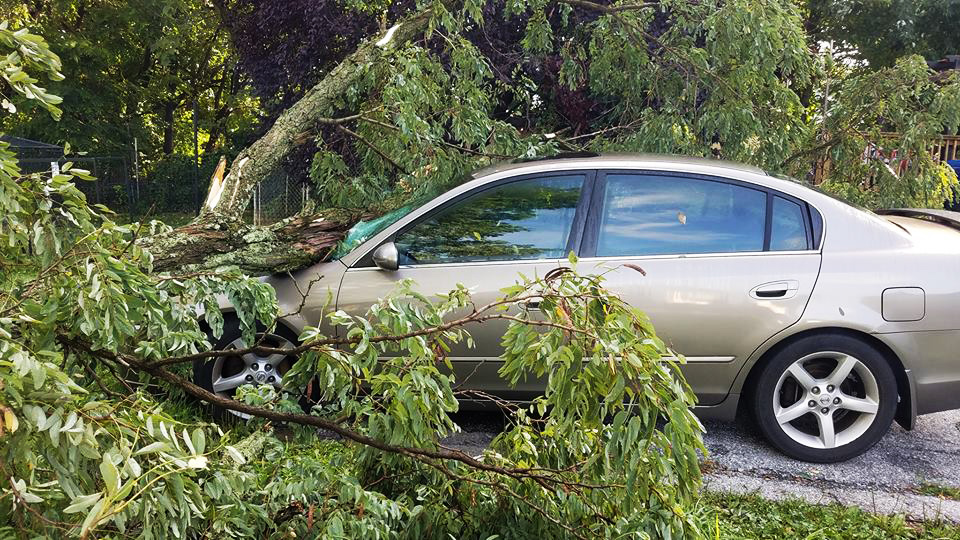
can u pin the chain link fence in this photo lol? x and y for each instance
(276, 198)
(114, 186)
(172, 191)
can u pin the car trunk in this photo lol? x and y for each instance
(928, 227)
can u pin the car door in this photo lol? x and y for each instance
(726, 264)
(483, 240)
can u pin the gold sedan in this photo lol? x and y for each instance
(823, 321)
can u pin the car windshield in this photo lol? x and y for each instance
(364, 230)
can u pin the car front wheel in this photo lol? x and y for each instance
(224, 374)
(825, 398)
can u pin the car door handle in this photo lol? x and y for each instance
(775, 290)
(531, 303)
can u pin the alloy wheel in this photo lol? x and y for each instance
(826, 400)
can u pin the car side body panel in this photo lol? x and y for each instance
(475, 367)
(865, 255)
(702, 308)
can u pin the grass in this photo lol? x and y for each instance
(944, 492)
(729, 516)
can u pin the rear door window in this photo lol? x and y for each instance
(655, 214)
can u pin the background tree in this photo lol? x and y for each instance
(136, 68)
(879, 32)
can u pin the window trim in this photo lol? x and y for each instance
(592, 230)
(574, 236)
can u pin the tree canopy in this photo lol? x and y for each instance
(135, 70)
(740, 80)
(879, 32)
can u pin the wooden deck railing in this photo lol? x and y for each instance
(946, 148)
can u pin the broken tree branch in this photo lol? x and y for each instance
(228, 199)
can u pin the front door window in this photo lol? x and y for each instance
(526, 219)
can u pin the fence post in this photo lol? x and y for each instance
(128, 185)
(98, 183)
(136, 166)
(196, 161)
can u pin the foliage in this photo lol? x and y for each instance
(869, 166)
(313, 37)
(83, 309)
(29, 54)
(736, 80)
(90, 338)
(936, 490)
(70, 457)
(594, 477)
(170, 185)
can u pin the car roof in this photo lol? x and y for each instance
(586, 160)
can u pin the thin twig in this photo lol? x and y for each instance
(373, 147)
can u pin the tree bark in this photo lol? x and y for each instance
(285, 246)
(218, 237)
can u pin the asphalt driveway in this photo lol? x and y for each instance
(887, 479)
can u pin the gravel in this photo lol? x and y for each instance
(883, 480)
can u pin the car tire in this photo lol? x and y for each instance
(825, 398)
(223, 375)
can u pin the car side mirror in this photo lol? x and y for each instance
(386, 257)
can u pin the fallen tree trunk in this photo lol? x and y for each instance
(218, 237)
(288, 245)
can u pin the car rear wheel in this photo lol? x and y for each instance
(825, 398)
(224, 374)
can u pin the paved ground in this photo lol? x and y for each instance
(883, 480)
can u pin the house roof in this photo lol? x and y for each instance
(20, 142)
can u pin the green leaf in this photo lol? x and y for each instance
(235, 455)
(158, 446)
(111, 476)
(82, 502)
(199, 440)
(92, 515)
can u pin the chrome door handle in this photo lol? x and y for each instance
(775, 290)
